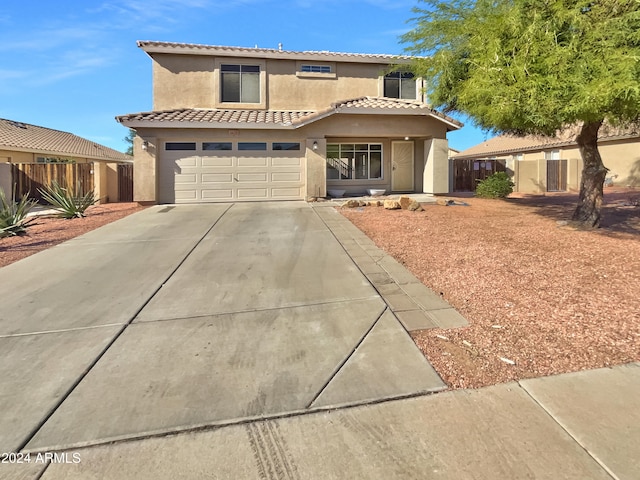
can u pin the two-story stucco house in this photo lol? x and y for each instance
(234, 123)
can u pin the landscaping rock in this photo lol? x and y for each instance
(445, 201)
(415, 206)
(351, 204)
(404, 202)
(392, 204)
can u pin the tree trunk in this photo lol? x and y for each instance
(594, 172)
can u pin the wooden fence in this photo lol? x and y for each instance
(556, 175)
(125, 182)
(467, 173)
(29, 177)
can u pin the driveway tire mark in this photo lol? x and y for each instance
(270, 451)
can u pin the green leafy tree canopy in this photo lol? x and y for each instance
(533, 67)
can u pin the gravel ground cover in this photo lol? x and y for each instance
(48, 231)
(541, 297)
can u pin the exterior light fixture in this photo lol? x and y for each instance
(315, 145)
(406, 138)
(145, 145)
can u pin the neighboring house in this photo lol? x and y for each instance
(22, 143)
(541, 164)
(234, 123)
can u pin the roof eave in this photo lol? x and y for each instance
(273, 54)
(206, 125)
(58, 153)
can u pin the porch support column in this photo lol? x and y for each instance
(145, 175)
(316, 183)
(435, 177)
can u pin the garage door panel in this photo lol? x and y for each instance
(187, 162)
(208, 178)
(286, 177)
(186, 195)
(217, 194)
(189, 179)
(252, 177)
(285, 162)
(253, 193)
(286, 193)
(205, 176)
(217, 161)
(253, 162)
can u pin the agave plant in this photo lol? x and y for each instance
(67, 201)
(13, 215)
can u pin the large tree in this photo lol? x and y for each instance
(535, 67)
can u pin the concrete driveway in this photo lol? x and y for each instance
(179, 317)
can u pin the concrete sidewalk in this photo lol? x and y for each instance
(578, 426)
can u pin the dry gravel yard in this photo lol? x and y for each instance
(550, 298)
(48, 231)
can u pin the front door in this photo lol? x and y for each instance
(402, 166)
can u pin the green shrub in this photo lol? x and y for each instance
(13, 215)
(498, 185)
(67, 201)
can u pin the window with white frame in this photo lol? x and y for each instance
(552, 155)
(400, 85)
(315, 68)
(354, 161)
(240, 83)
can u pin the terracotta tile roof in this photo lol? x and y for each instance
(188, 115)
(32, 138)
(509, 144)
(191, 117)
(191, 48)
(399, 105)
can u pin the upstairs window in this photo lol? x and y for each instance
(552, 155)
(400, 85)
(240, 83)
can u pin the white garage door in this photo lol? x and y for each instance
(194, 172)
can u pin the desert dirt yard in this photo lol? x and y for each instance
(541, 298)
(537, 293)
(48, 231)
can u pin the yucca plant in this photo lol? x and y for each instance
(67, 201)
(13, 215)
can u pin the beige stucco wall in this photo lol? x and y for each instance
(100, 182)
(191, 81)
(621, 157)
(112, 182)
(144, 171)
(316, 183)
(435, 174)
(5, 180)
(530, 176)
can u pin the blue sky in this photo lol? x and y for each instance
(74, 65)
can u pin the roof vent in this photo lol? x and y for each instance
(280, 47)
(17, 124)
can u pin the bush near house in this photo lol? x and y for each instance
(13, 215)
(67, 201)
(498, 185)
